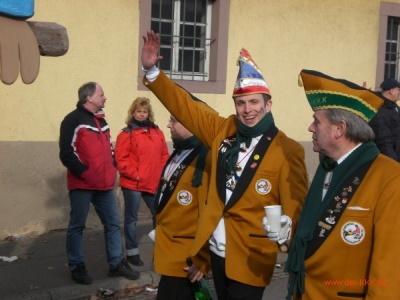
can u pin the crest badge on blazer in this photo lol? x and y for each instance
(184, 197)
(263, 186)
(352, 233)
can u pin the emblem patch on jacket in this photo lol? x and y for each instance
(352, 233)
(184, 197)
(263, 186)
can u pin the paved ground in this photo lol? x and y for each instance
(276, 290)
(41, 272)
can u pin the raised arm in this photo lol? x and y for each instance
(150, 55)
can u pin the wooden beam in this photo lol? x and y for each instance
(52, 38)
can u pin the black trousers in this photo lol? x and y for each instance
(175, 288)
(228, 289)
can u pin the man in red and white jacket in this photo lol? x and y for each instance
(86, 151)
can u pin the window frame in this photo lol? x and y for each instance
(216, 83)
(386, 10)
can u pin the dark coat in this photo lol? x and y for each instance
(386, 126)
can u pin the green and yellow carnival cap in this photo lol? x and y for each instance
(325, 92)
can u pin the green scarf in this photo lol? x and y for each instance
(190, 143)
(313, 209)
(244, 134)
(328, 164)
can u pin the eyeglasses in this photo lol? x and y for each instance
(172, 121)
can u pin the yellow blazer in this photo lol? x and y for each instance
(250, 255)
(362, 262)
(176, 220)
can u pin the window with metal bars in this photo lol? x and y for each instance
(185, 29)
(392, 52)
(194, 41)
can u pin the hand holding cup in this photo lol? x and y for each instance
(277, 226)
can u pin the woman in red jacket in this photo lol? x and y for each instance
(141, 153)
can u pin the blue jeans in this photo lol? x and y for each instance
(106, 208)
(132, 203)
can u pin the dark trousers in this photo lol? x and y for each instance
(228, 289)
(175, 288)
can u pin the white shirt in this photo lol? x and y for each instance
(218, 238)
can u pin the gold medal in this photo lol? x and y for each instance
(237, 167)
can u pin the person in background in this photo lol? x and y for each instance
(253, 164)
(141, 153)
(345, 245)
(86, 151)
(386, 123)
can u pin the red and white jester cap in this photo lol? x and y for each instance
(249, 80)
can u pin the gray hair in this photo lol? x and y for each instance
(358, 130)
(86, 90)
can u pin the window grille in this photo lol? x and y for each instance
(185, 30)
(392, 53)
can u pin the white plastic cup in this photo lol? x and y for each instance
(152, 235)
(273, 214)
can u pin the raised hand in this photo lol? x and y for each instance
(150, 55)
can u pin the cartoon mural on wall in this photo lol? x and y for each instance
(23, 42)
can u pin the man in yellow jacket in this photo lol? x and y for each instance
(345, 245)
(179, 200)
(253, 164)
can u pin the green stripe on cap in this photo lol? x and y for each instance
(320, 99)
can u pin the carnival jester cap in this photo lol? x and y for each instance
(324, 92)
(249, 80)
